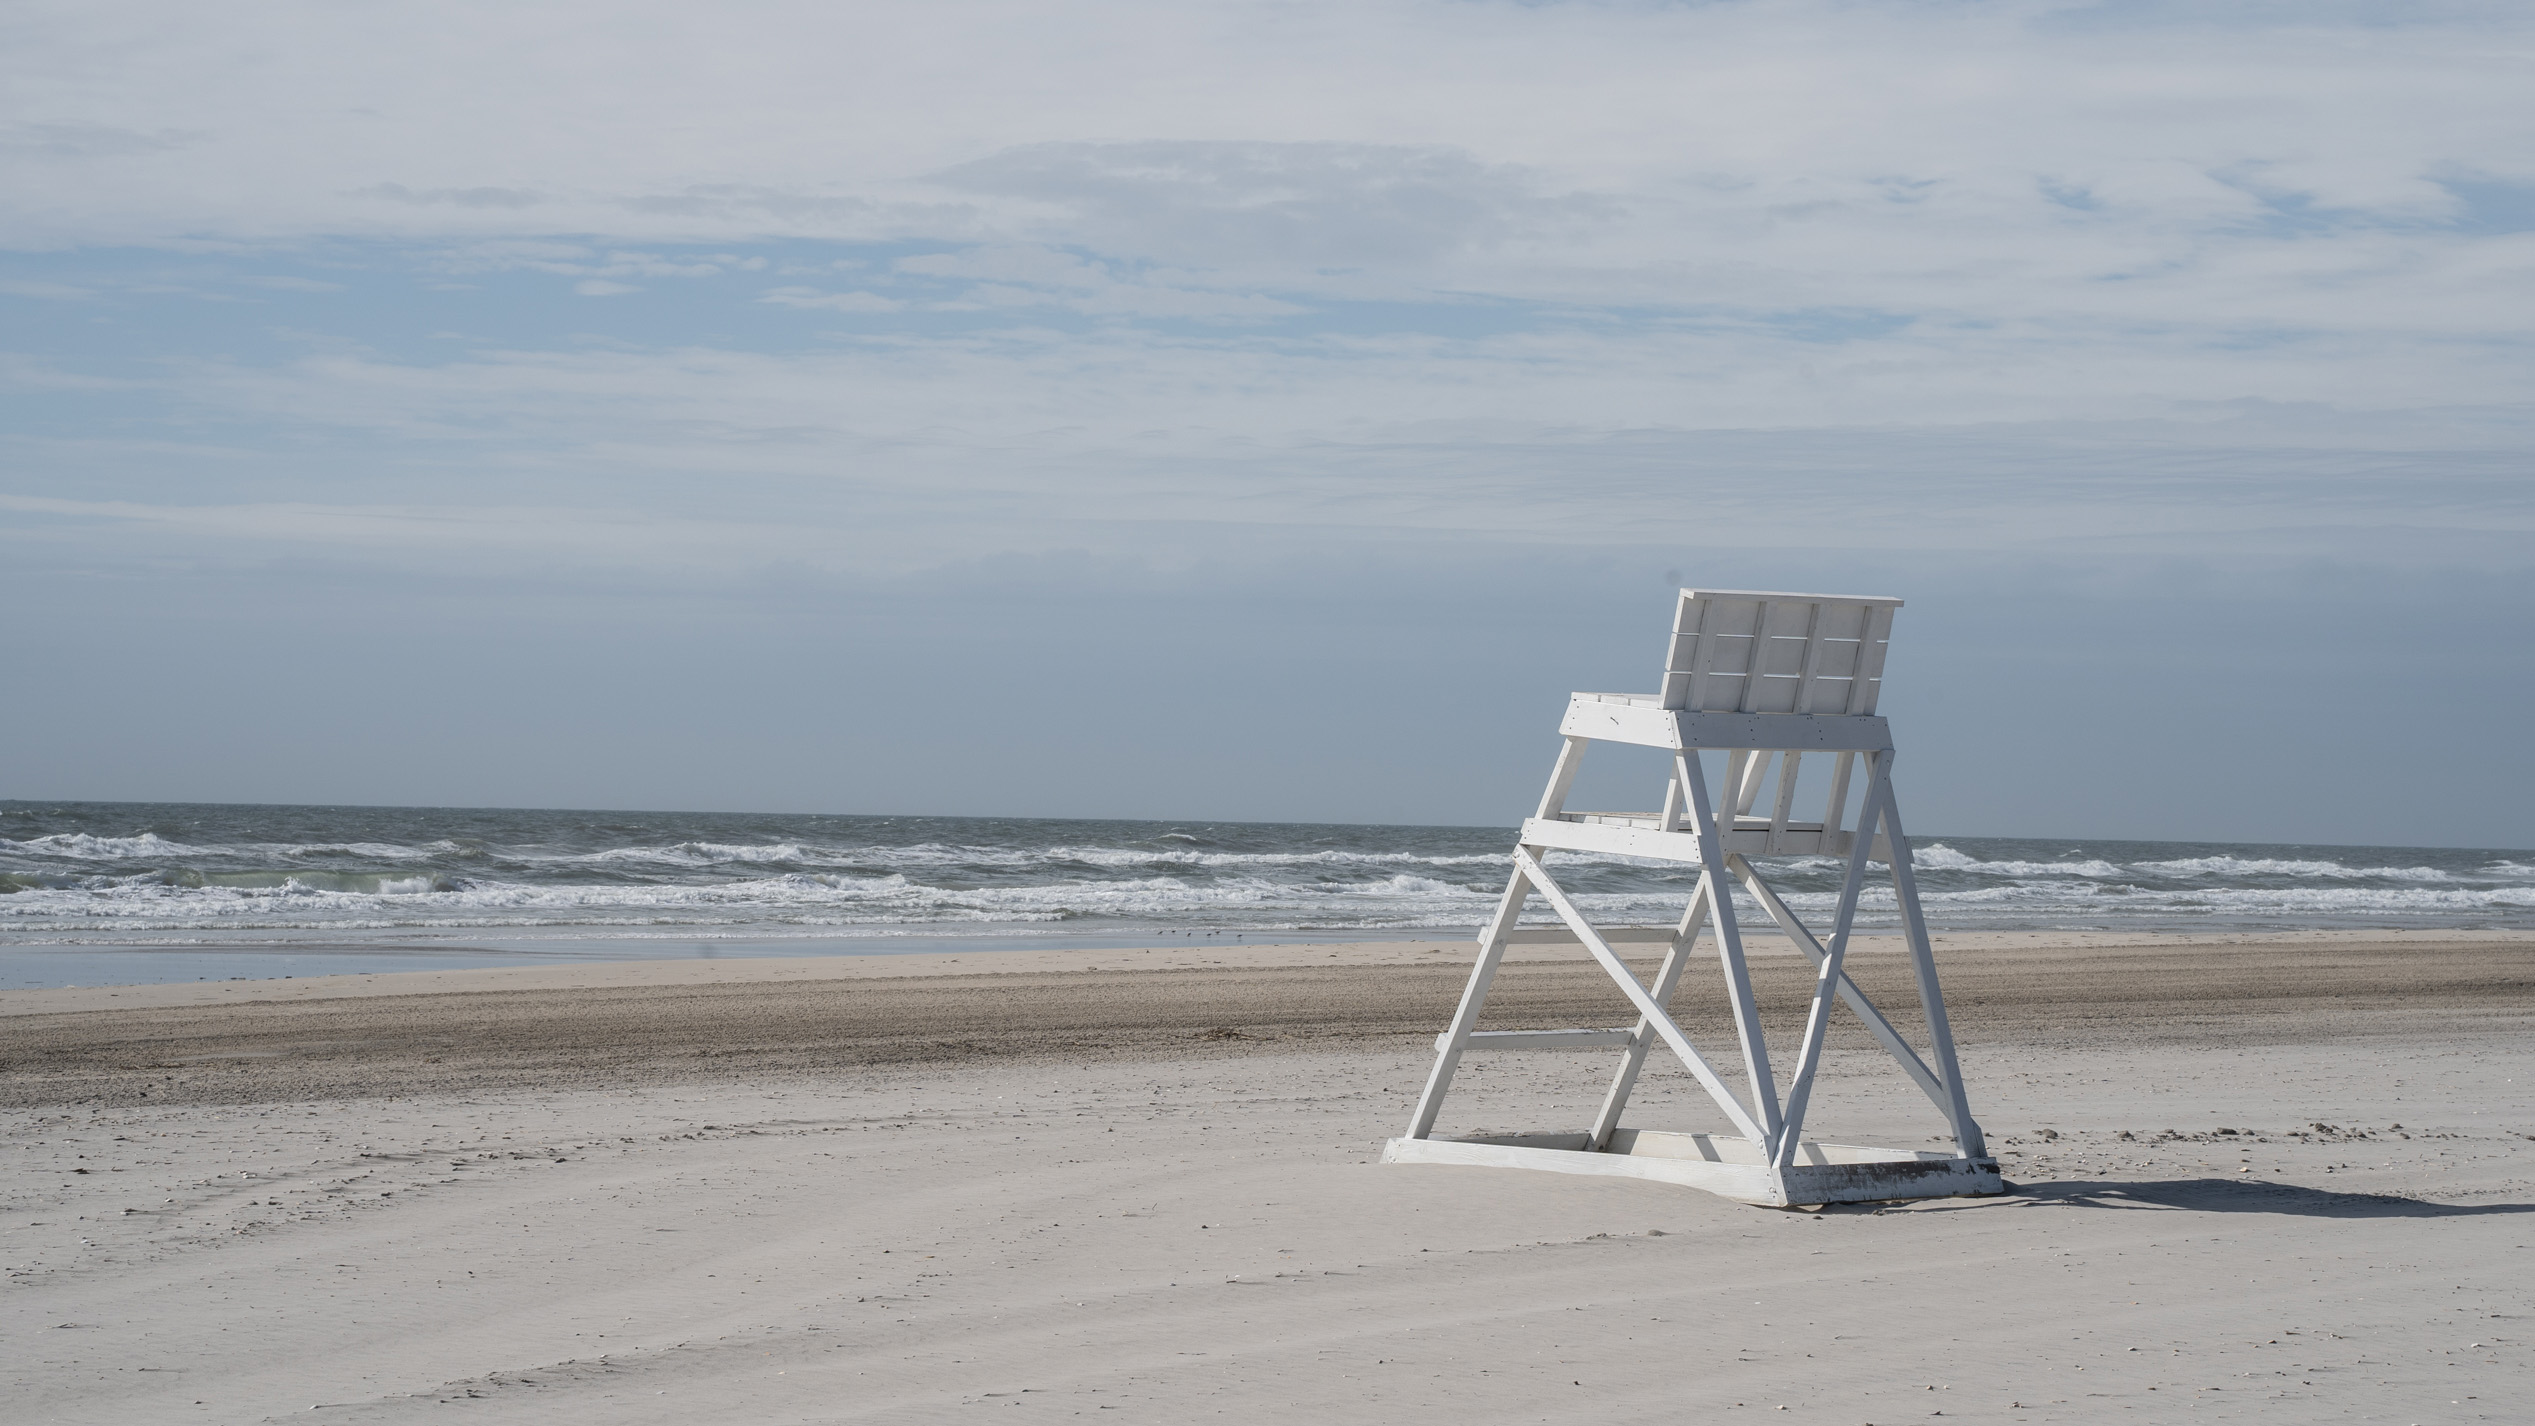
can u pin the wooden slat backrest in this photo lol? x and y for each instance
(1755, 651)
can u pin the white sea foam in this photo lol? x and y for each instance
(1140, 856)
(704, 854)
(1402, 899)
(375, 851)
(1937, 856)
(386, 872)
(891, 899)
(925, 855)
(2266, 866)
(89, 848)
(1107, 856)
(1403, 884)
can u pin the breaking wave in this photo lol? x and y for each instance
(101, 871)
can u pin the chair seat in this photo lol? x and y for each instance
(1655, 820)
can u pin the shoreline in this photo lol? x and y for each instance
(1529, 944)
(797, 1019)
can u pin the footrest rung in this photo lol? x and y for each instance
(1541, 1039)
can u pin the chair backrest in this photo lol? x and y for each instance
(1755, 651)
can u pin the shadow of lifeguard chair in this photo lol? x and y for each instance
(1762, 678)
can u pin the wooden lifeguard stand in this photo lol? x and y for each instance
(1765, 678)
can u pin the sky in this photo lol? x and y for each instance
(1263, 411)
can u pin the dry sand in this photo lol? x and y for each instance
(1139, 1186)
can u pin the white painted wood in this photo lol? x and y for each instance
(1914, 931)
(1867, 683)
(1755, 659)
(1827, 980)
(1737, 768)
(1541, 1039)
(1779, 730)
(1612, 840)
(1823, 1173)
(1562, 776)
(1876, 1023)
(1640, 834)
(1654, 1015)
(1836, 807)
(1703, 652)
(1509, 907)
(1633, 719)
(1745, 1183)
(1811, 668)
(1755, 772)
(1667, 981)
(1754, 651)
(1765, 678)
(1729, 948)
(1783, 596)
(1605, 720)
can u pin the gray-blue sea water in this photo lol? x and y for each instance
(114, 893)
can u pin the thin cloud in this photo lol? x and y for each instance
(1281, 205)
(78, 140)
(1011, 276)
(811, 299)
(1265, 241)
(458, 197)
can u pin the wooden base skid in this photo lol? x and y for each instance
(1727, 1167)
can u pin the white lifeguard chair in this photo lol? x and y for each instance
(1763, 678)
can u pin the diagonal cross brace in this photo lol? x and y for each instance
(1473, 996)
(1633, 1059)
(1711, 829)
(1875, 1021)
(1654, 1015)
(1914, 931)
(1832, 976)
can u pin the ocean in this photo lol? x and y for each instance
(98, 893)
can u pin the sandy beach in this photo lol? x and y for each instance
(2256, 1177)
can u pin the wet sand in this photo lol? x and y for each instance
(1139, 1186)
(680, 1021)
